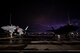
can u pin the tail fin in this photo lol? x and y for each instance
(26, 28)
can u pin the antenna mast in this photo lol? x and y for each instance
(69, 20)
(10, 21)
(10, 18)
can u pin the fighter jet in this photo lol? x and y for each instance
(65, 29)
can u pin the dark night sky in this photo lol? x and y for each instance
(39, 15)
